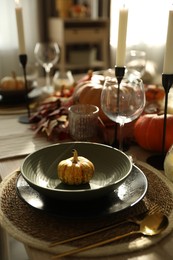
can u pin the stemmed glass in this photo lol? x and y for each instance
(47, 54)
(136, 63)
(123, 102)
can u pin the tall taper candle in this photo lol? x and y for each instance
(168, 58)
(19, 20)
(122, 31)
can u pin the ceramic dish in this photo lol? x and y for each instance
(111, 168)
(128, 194)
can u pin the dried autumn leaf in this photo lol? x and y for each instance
(50, 126)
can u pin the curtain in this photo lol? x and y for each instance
(8, 34)
(147, 28)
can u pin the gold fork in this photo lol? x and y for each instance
(136, 220)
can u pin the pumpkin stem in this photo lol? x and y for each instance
(13, 73)
(75, 156)
(90, 73)
(62, 90)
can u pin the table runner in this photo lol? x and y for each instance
(17, 108)
(18, 139)
(37, 228)
(10, 110)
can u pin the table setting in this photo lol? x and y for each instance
(144, 189)
(63, 220)
(89, 182)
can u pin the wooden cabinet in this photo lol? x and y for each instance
(84, 43)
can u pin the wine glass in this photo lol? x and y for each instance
(136, 63)
(123, 102)
(47, 54)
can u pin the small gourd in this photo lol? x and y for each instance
(75, 170)
(12, 83)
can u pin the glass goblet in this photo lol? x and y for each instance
(136, 63)
(124, 102)
(47, 54)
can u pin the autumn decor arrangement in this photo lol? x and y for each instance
(51, 117)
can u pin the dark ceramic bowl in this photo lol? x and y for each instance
(112, 167)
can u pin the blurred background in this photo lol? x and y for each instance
(65, 21)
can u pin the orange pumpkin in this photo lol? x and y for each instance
(90, 93)
(148, 132)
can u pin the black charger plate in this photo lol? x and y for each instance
(129, 193)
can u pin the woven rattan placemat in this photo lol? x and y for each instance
(37, 228)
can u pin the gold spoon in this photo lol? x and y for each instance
(151, 225)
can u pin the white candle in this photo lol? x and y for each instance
(122, 31)
(19, 20)
(168, 58)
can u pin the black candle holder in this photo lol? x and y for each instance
(25, 118)
(119, 74)
(158, 160)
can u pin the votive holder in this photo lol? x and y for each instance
(83, 122)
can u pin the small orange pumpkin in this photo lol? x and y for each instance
(89, 92)
(148, 132)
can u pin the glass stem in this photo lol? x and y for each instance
(47, 77)
(121, 136)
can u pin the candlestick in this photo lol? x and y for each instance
(122, 31)
(119, 73)
(25, 118)
(167, 81)
(19, 20)
(158, 160)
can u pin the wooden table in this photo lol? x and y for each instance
(160, 251)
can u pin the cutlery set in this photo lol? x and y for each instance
(151, 223)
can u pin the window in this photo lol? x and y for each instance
(147, 26)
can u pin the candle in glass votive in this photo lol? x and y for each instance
(168, 58)
(19, 20)
(122, 31)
